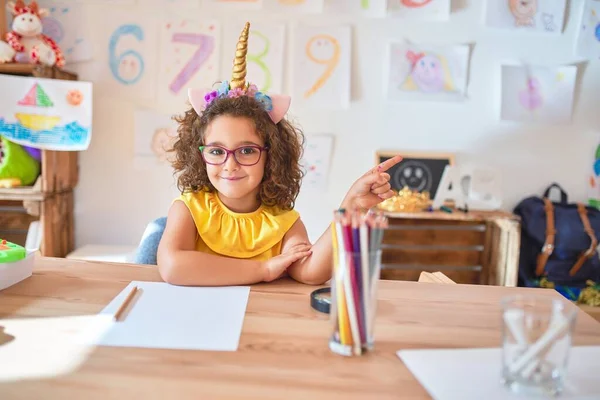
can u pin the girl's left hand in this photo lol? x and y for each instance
(372, 188)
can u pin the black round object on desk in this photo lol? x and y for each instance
(320, 300)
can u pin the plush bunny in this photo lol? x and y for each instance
(26, 40)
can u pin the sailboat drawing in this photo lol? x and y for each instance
(40, 117)
(37, 97)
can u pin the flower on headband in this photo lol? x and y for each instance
(223, 88)
(265, 100)
(252, 90)
(236, 92)
(210, 96)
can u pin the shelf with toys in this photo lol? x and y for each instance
(35, 185)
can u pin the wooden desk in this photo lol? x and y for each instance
(283, 351)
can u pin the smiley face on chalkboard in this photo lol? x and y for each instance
(413, 174)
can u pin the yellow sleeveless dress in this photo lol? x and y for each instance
(256, 235)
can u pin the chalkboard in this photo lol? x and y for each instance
(419, 171)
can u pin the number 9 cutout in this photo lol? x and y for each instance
(324, 50)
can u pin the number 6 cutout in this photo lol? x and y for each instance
(127, 67)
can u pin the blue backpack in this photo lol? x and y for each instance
(558, 241)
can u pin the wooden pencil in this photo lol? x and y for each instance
(125, 303)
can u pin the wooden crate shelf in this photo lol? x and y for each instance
(25, 193)
(50, 199)
(463, 246)
(40, 71)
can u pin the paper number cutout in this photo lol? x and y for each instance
(258, 59)
(331, 63)
(115, 62)
(206, 45)
(414, 4)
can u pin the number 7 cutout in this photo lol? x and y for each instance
(204, 44)
(189, 58)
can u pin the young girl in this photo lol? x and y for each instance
(238, 163)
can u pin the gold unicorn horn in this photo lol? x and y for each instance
(238, 77)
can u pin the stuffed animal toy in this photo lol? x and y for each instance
(26, 39)
(17, 166)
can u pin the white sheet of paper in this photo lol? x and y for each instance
(545, 16)
(588, 36)
(265, 57)
(154, 134)
(293, 6)
(233, 4)
(427, 73)
(64, 25)
(177, 317)
(52, 114)
(420, 9)
(316, 162)
(537, 93)
(34, 348)
(474, 374)
(127, 67)
(189, 58)
(322, 67)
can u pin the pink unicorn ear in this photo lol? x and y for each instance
(196, 98)
(281, 105)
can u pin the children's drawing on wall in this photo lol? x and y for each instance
(47, 114)
(187, 4)
(594, 181)
(265, 54)
(154, 136)
(537, 94)
(415, 175)
(189, 58)
(322, 67)
(588, 37)
(294, 6)
(233, 4)
(420, 9)
(546, 16)
(316, 162)
(370, 8)
(63, 25)
(427, 73)
(365, 8)
(128, 65)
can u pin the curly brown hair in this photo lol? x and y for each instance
(283, 173)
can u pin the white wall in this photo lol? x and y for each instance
(114, 201)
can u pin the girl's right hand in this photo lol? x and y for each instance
(276, 266)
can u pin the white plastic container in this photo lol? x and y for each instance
(12, 273)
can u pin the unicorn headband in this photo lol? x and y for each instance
(274, 104)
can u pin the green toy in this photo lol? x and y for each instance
(16, 163)
(10, 252)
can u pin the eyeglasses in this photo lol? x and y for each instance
(245, 155)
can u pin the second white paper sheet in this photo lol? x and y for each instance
(474, 374)
(177, 317)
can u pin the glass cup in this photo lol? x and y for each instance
(536, 339)
(354, 284)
